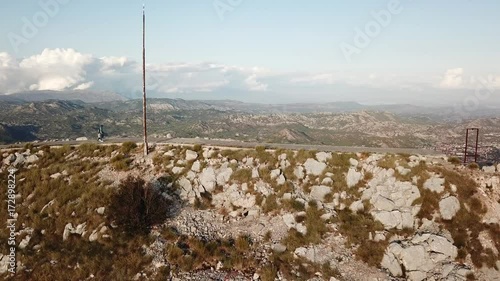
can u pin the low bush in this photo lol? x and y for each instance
(357, 227)
(137, 206)
(454, 160)
(473, 166)
(127, 147)
(87, 149)
(242, 175)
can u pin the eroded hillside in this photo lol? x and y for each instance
(244, 214)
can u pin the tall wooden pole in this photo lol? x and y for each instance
(144, 81)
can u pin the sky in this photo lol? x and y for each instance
(280, 51)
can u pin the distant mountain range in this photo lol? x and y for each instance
(54, 115)
(111, 100)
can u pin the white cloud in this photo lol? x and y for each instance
(254, 85)
(62, 69)
(84, 86)
(453, 79)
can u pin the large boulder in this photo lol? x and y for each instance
(319, 192)
(223, 175)
(208, 179)
(489, 169)
(323, 156)
(191, 155)
(314, 167)
(448, 207)
(31, 159)
(353, 177)
(186, 188)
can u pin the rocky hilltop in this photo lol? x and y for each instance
(254, 214)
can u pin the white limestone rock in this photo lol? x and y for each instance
(223, 176)
(448, 207)
(392, 203)
(326, 181)
(421, 256)
(177, 170)
(314, 167)
(31, 159)
(191, 155)
(278, 248)
(55, 176)
(208, 179)
(357, 206)
(100, 210)
(255, 173)
(196, 166)
(299, 172)
(275, 173)
(489, 169)
(435, 183)
(20, 159)
(319, 192)
(353, 177)
(323, 156)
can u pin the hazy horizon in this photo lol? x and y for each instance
(382, 52)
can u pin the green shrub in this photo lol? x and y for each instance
(87, 149)
(357, 227)
(137, 206)
(473, 166)
(128, 146)
(120, 162)
(271, 204)
(454, 160)
(242, 175)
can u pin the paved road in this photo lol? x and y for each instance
(241, 144)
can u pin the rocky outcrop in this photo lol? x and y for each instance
(422, 256)
(392, 201)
